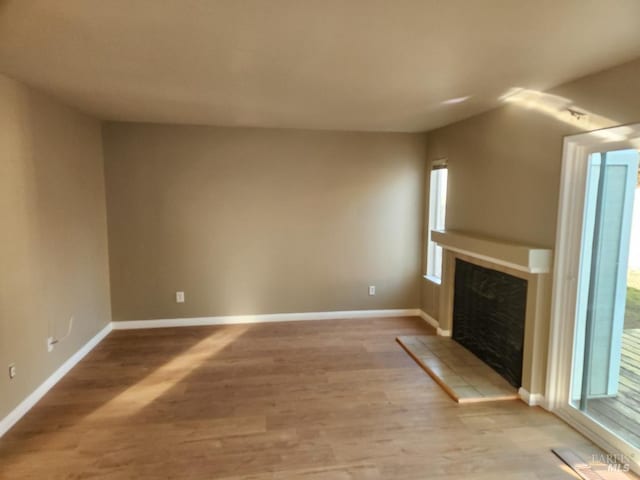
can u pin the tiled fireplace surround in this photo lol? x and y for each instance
(530, 263)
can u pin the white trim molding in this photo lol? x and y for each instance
(432, 279)
(429, 319)
(434, 323)
(17, 413)
(531, 399)
(443, 333)
(263, 318)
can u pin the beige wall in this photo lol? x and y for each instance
(255, 221)
(504, 165)
(430, 298)
(53, 236)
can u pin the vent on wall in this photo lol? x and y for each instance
(489, 310)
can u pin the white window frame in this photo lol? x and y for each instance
(436, 218)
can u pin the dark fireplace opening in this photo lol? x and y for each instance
(489, 310)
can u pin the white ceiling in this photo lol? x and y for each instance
(332, 64)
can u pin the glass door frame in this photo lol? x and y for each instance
(573, 184)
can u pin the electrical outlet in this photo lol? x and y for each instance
(12, 370)
(179, 297)
(50, 343)
(372, 290)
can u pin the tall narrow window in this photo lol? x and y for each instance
(437, 210)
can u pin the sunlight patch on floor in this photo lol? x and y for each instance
(168, 376)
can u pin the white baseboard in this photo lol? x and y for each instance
(429, 319)
(443, 333)
(434, 323)
(264, 318)
(17, 413)
(531, 399)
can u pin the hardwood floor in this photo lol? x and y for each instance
(311, 400)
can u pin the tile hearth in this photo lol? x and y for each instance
(459, 372)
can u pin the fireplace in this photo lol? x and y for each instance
(489, 309)
(528, 263)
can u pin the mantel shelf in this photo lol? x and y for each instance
(521, 257)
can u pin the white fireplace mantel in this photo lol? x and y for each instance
(525, 258)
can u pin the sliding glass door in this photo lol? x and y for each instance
(593, 366)
(605, 379)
